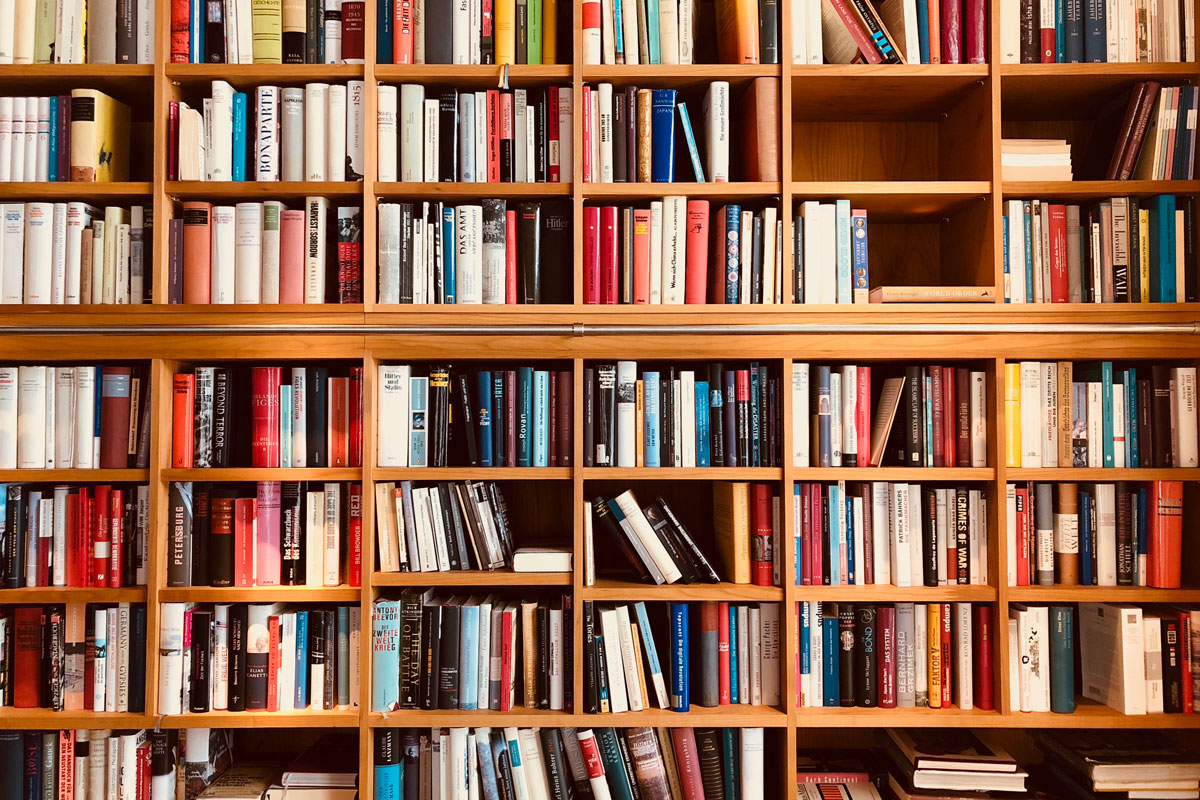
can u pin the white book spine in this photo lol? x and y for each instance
(656, 256)
(393, 435)
(668, 31)
(170, 667)
(626, 434)
(389, 253)
(333, 32)
(592, 46)
(432, 142)
(39, 252)
(335, 133)
(6, 121)
(355, 167)
(299, 416)
(220, 657)
(31, 417)
(42, 170)
(460, 32)
(64, 418)
(674, 249)
(267, 125)
(316, 112)
(219, 156)
(292, 129)
(248, 222)
(412, 133)
(314, 259)
(272, 213)
(605, 100)
(1187, 453)
(520, 132)
(8, 417)
(468, 245)
(224, 254)
(386, 131)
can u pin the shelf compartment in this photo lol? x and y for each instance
(607, 590)
(886, 593)
(474, 76)
(215, 191)
(246, 75)
(1101, 594)
(260, 594)
(1048, 90)
(337, 718)
(896, 200)
(74, 594)
(882, 91)
(471, 577)
(1089, 714)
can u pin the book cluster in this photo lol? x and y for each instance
(238, 32)
(73, 32)
(1110, 31)
(82, 136)
(890, 32)
(830, 256)
(670, 32)
(501, 32)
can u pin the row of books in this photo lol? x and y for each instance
(432, 651)
(516, 418)
(830, 258)
(892, 32)
(74, 253)
(493, 253)
(1122, 250)
(70, 32)
(303, 417)
(79, 536)
(569, 762)
(1156, 137)
(456, 525)
(1113, 31)
(53, 417)
(257, 657)
(73, 657)
(674, 252)
(673, 418)
(905, 655)
(280, 533)
(1100, 534)
(1110, 418)
(236, 32)
(504, 32)
(265, 253)
(629, 134)
(890, 533)
(656, 32)
(311, 133)
(942, 416)
(491, 136)
(55, 138)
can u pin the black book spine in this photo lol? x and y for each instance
(962, 535)
(214, 32)
(200, 689)
(55, 638)
(866, 690)
(591, 685)
(137, 659)
(179, 551)
(1160, 415)
(15, 535)
(708, 748)
(467, 412)
(716, 416)
(406, 252)
(1145, 424)
(556, 765)
(529, 251)
(703, 565)
(539, 137)
(1172, 666)
(798, 264)
(589, 409)
(1191, 287)
(609, 530)
(220, 538)
(605, 427)
(410, 650)
(620, 141)
(439, 417)
(316, 410)
(448, 131)
(220, 417)
(929, 538)
(498, 419)
(257, 668)
(662, 529)
(556, 244)
(201, 525)
(601, 669)
(126, 32)
(667, 427)
(543, 655)
(431, 623)
(238, 624)
(768, 31)
(448, 661)
(1125, 535)
(914, 455)
(410, 743)
(847, 670)
(756, 260)
(291, 537)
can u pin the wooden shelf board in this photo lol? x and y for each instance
(1100, 474)
(472, 577)
(952, 717)
(74, 475)
(1075, 91)
(683, 473)
(914, 474)
(474, 76)
(677, 76)
(337, 718)
(74, 594)
(510, 191)
(1089, 714)
(1101, 594)
(518, 716)
(215, 191)
(734, 190)
(245, 75)
(77, 190)
(610, 590)
(897, 594)
(260, 594)
(882, 91)
(724, 716)
(265, 474)
(1084, 190)
(45, 719)
(471, 473)
(24, 72)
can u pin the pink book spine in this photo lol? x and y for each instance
(818, 534)
(688, 761)
(291, 257)
(267, 568)
(887, 656)
(805, 536)
(863, 415)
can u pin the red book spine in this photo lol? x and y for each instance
(869, 52)
(197, 252)
(173, 141)
(349, 259)
(356, 528)
(354, 21)
(356, 416)
(115, 405)
(983, 688)
(696, 275)
(949, 416)
(591, 255)
(610, 256)
(553, 146)
(947, 655)
(510, 257)
(100, 547)
(939, 454)
(181, 40)
(402, 36)
(143, 769)
(1022, 539)
(45, 546)
(641, 256)
(818, 533)
(723, 651)
(951, 31)
(687, 759)
(935, 33)
(182, 441)
(243, 541)
(1059, 287)
(27, 656)
(976, 31)
(886, 626)
(760, 544)
(506, 661)
(273, 663)
(1046, 38)
(72, 540)
(587, 739)
(66, 765)
(264, 395)
(1185, 645)
(116, 538)
(716, 275)
(806, 561)
(552, 444)
(87, 514)
(1165, 545)
(339, 422)
(862, 415)
(493, 135)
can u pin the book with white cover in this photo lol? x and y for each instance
(1031, 414)
(900, 536)
(629, 662)
(1184, 424)
(1152, 626)
(618, 696)
(316, 113)
(1106, 534)
(716, 133)
(316, 211)
(266, 159)
(412, 131)
(272, 212)
(170, 662)
(394, 388)
(656, 256)
(645, 534)
(626, 414)
(468, 244)
(31, 417)
(387, 132)
(389, 252)
(605, 99)
(38, 256)
(335, 133)
(355, 167)
(432, 141)
(674, 249)
(1112, 656)
(248, 252)
(291, 134)
(220, 149)
(224, 254)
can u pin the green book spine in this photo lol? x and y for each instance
(619, 784)
(730, 760)
(535, 32)
(1062, 660)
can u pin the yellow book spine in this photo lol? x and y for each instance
(1012, 415)
(731, 526)
(641, 452)
(935, 655)
(267, 25)
(549, 31)
(1144, 253)
(506, 32)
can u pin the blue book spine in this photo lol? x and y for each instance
(541, 417)
(96, 408)
(468, 659)
(383, 38)
(647, 638)
(1131, 418)
(239, 136)
(858, 243)
(1162, 245)
(652, 33)
(1007, 279)
(835, 537)
(680, 698)
(1028, 254)
(389, 782)
(796, 543)
(1106, 389)
(650, 422)
(196, 20)
(847, 532)
(1073, 23)
(923, 29)
(1060, 31)
(484, 414)
(1143, 535)
(301, 659)
(702, 443)
(1085, 539)
(732, 255)
(418, 453)
(619, 12)
(690, 139)
(844, 283)
(733, 656)
(662, 136)
(448, 275)
(488, 787)
(53, 160)
(1095, 37)
(524, 417)
(285, 426)
(805, 633)
(829, 650)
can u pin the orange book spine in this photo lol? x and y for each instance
(339, 422)
(274, 659)
(197, 253)
(747, 31)
(947, 646)
(641, 256)
(182, 443)
(696, 276)
(1164, 552)
(935, 33)
(402, 38)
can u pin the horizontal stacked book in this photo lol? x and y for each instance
(1087, 761)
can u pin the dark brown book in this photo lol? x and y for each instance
(708, 749)
(529, 223)
(1124, 132)
(760, 120)
(563, 408)
(1126, 550)
(115, 407)
(1030, 50)
(1138, 133)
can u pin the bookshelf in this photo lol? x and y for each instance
(916, 145)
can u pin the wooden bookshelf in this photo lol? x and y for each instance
(940, 128)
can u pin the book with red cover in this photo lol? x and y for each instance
(182, 421)
(1059, 282)
(591, 255)
(115, 405)
(493, 135)
(947, 656)
(87, 537)
(563, 409)
(510, 256)
(976, 31)
(610, 255)
(354, 20)
(857, 32)
(197, 252)
(760, 543)
(1164, 551)
(1046, 40)
(116, 538)
(885, 629)
(760, 118)
(264, 395)
(172, 141)
(586, 106)
(862, 417)
(687, 760)
(935, 32)
(553, 144)
(402, 33)
(292, 229)
(716, 275)
(805, 556)
(27, 656)
(696, 275)
(244, 511)
(552, 439)
(100, 542)
(1141, 121)
(73, 548)
(951, 31)
(1186, 663)
(641, 256)
(339, 422)
(356, 416)
(983, 688)
(723, 653)
(354, 504)
(181, 40)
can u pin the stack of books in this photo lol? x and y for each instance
(891, 32)
(1033, 33)
(1035, 160)
(949, 765)
(328, 770)
(236, 32)
(1146, 765)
